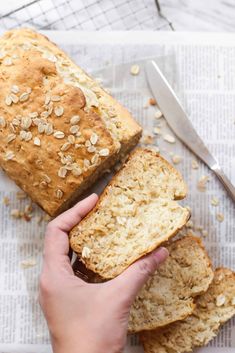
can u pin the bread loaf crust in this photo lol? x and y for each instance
(42, 94)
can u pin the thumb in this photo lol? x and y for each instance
(133, 279)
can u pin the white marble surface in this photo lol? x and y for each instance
(184, 15)
(200, 15)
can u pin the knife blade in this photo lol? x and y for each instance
(179, 122)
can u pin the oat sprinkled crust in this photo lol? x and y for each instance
(59, 130)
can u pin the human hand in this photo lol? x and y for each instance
(83, 317)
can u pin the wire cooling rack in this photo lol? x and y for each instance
(84, 15)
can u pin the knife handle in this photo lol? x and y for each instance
(225, 181)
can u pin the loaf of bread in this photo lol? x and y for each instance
(213, 308)
(136, 212)
(169, 294)
(59, 130)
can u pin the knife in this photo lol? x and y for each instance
(177, 119)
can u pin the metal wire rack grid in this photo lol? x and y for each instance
(85, 15)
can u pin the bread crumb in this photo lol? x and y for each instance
(46, 218)
(189, 224)
(176, 159)
(220, 300)
(135, 69)
(214, 201)
(28, 263)
(220, 217)
(6, 201)
(204, 233)
(39, 219)
(20, 195)
(157, 131)
(195, 164)
(169, 138)
(147, 139)
(86, 252)
(158, 114)
(15, 213)
(152, 101)
(201, 185)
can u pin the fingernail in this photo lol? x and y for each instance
(161, 254)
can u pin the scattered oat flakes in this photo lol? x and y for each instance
(15, 213)
(14, 98)
(158, 114)
(59, 194)
(157, 131)
(21, 195)
(6, 201)
(59, 111)
(28, 263)
(9, 155)
(74, 129)
(204, 233)
(135, 69)
(55, 98)
(86, 252)
(10, 138)
(15, 89)
(58, 134)
(24, 97)
(220, 217)
(169, 138)
(214, 201)
(8, 100)
(152, 101)
(104, 152)
(176, 159)
(76, 171)
(91, 149)
(94, 138)
(195, 164)
(220, 300)
(147, 139)
(65, 146)
(2, 121)
(75, 119)
(62, 172)
(201, 185)
(46, 218)
(71, 139)
(39, 219)
(37, 141)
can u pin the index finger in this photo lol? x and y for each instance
(56, 238)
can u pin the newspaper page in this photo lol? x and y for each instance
(201, 69)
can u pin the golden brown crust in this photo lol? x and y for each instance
(40, 85)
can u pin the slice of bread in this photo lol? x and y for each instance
(168, 294)
(136, 212)
(213, 309)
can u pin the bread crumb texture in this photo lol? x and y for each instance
(213, 308)
(136, 213)
(59, 130)
(169, 294)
